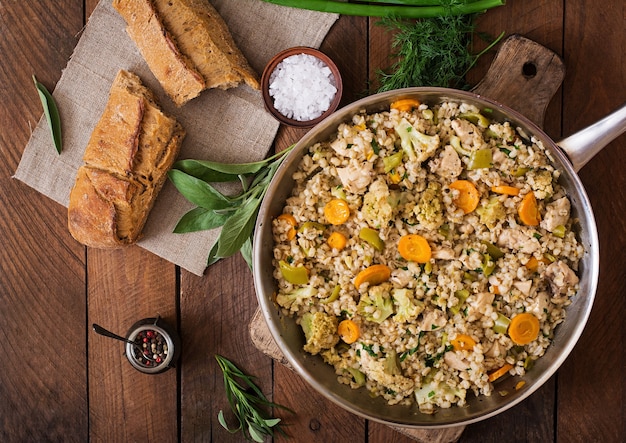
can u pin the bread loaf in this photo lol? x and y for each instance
(187, 46)
(125, 166)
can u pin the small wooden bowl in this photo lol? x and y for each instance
(269, 101)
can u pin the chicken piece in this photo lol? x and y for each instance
(539, 305)
(432, 320)
(515, 239)
(478, 305)
(561, 277)
(468, 133)
(443, 254)
(524, 286)
(448, 164)
(496, 350)
(557, 214)
(454, 361)
(356, 177)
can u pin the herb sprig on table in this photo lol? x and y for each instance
(431, 52)
(246, 400)
(236, 215)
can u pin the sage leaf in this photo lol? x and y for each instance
(196, 169)
(52, 114)
(238, 228)
(200, 219)
(213, 257)
(246, 252)
(197, 191)
(202, 168)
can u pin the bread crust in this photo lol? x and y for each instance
(183, 39)
(125, 166)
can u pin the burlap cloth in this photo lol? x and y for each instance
(226, 126)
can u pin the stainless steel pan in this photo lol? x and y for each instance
(289, 338)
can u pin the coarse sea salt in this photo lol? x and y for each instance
(302, 87)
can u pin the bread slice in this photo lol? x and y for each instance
(176, 73)
(181, 39)
(126, 161)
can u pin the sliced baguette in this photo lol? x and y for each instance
(187, 46)
(125, 166)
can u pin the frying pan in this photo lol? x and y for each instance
(540, 74)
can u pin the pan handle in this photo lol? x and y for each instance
(583, 145)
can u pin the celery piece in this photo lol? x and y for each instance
(501, 325)
(371, 236)
(480, 159)
(297, 275)
(393, 161)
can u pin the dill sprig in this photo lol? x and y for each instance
(246, 402)
(432, 51)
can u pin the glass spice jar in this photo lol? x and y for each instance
(158, 346)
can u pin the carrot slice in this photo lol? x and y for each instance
(528, 210)
(500, 372)
(405, 104)
(533, 264)
(506, 190)
(349, 331)
(415, 248)
(374, 275)
(292, 221)
(463, 342)
(337, 241)
(337, 211)
(524, 328)
(468, 198)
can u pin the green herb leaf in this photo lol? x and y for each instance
(238, 228)
(200, 219)
(198, 191)
(246, 252)
(52, 114)
(236, 215)
(433, 51)
(244, 398)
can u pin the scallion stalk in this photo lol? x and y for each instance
(389, 9)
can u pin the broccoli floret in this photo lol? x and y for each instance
(541, 183)
(492, 213)
(320, 331)
(376, 306)
(386, 371)
(417, 146)
(376, 208)
(429, 208)
(294, 299)
(407, 308)
(434, 393)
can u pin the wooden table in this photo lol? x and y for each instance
(59, 381)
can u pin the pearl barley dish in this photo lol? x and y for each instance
(426, 252)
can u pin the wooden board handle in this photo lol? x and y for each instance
(524, 76)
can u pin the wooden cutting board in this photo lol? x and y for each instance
(524, 76)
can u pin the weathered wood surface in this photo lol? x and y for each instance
(59, 381)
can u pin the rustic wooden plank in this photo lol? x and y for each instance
(591, 387)
(215, 311)
(125, 286)
(43, 380)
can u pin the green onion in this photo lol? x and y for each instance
(382, 8)
(559, 231)
(480, 159)
(501, 325)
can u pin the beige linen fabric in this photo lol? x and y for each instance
(225, 126)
